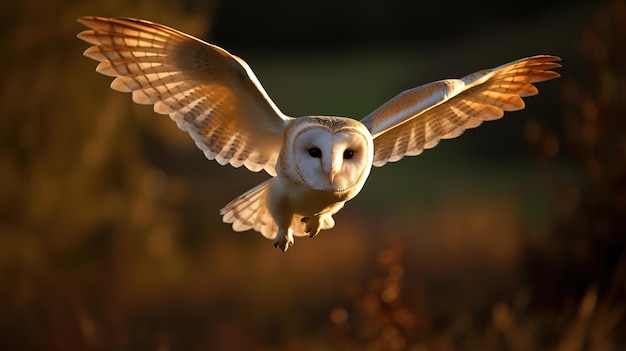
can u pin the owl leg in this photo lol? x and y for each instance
(284, 239)
(316, 223)
(312, 225)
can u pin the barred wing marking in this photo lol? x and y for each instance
(418, 118)
(208, 92)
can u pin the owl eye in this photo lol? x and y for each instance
(315, 152)
(348, 154)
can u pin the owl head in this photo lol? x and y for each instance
(327, 153)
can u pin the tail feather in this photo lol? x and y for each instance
(250, 211)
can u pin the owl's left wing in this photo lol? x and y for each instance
(418, 118)
(210, 93)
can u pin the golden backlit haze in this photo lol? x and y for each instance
(510, 237)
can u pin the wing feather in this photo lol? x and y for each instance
(209, 93)
(419, 118)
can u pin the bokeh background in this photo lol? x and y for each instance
(510, 237)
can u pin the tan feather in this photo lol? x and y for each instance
(418, 118)
(210, 93)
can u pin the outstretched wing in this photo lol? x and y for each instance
(210, 93)
(418, 118)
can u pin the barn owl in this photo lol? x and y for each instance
(317, 163)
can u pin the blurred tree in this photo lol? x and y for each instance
(588, 239)
(584, 257)
(77, 197)
(324, 23)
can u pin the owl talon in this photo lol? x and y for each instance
(313, 231)
(312, 227)
(284, 242)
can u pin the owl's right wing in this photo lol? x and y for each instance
(418, 118)
(208, 92)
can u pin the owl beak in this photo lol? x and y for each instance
(335, 167)
(334, 170)
(332, 175)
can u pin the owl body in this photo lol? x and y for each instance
(301, 211)
(324, 161)
(317, 163)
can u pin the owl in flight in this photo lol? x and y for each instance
(317, 163)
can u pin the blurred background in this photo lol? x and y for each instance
(510, 237)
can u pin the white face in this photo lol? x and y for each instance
(331, 161)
